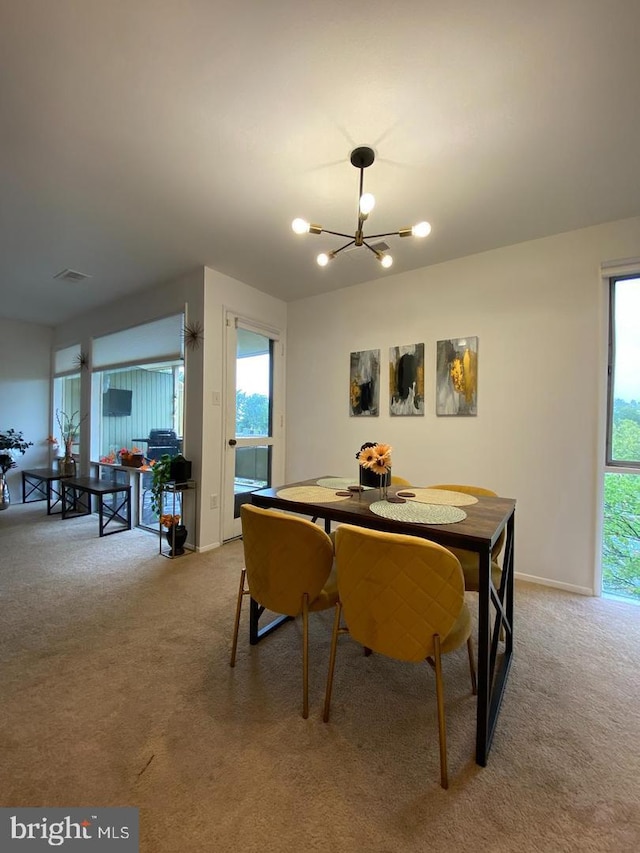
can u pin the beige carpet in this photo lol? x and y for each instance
(116, 690)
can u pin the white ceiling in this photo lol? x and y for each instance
(140, 139)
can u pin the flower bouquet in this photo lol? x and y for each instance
(375, 464)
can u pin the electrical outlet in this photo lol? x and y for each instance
(213, 502)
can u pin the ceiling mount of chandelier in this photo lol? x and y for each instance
(361, 158)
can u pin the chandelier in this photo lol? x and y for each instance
(361, 158)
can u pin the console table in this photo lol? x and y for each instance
(76, 500)
(40, 482)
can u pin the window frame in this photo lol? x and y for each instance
(610, 462)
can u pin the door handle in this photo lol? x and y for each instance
(232, 442)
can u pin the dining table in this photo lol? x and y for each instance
(452, 519)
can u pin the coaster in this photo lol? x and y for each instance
(397, 499)
(406, 494)
(344, 494)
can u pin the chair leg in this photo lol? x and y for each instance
(472, 667)
(444, 779)
(241, 593)
(305, 655)
(332, 663)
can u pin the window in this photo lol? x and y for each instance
(621, 528)
(623, 433)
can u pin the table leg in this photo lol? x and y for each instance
(255, 633)
(491, 679)
(482, 712)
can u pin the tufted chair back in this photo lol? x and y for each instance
(403, 597)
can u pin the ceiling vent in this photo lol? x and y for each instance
(71, 275)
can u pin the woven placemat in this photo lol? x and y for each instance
(441, 496)
(337, 482)
(419, 513)
(310, 494)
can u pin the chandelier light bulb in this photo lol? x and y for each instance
(300, 226)
(367, 203)
(385, 260)
(422, 229)
(323, 259)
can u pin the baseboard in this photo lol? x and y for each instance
(567, 587)
(211, 547)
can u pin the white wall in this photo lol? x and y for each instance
(24, 392)
(537, 309)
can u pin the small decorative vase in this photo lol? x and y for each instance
(384, 486)
(176, 537)
(5, 495)
(68, 466)
(377, 481)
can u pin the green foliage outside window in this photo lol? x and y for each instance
(252, 414)
(621, 534)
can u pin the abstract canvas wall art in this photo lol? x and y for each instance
(406, 380)
(364, 383)
(457, 377)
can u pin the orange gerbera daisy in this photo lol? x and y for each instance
(383, 450)
(367, 456)
(380, 465)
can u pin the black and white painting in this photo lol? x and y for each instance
(406, 380)
(364, 383)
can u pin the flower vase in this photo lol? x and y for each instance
(68, 463)
(5, 495)
(384, 487)
(176, 537)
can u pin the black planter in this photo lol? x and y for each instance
(180, 469)
(176, 537)
(370, 478)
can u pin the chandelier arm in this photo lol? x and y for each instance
(336, 233)
(386, 234)
(360, 219)
(370, 248)
(346, 246)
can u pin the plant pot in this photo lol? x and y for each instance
(370, 478)
(67, 466)
(180, 469)
(176, 537)
(5, 495)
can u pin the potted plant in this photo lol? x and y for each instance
(160, 476)
(69, 429)
(10, 441)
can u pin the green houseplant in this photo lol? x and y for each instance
(10, 441)
(160, 476)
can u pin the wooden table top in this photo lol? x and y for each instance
(480, 530)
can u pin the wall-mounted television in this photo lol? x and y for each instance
(116, 402)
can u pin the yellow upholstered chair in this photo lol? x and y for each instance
(469, 560)
(399, 481)
(288, 570)
(402, 597)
